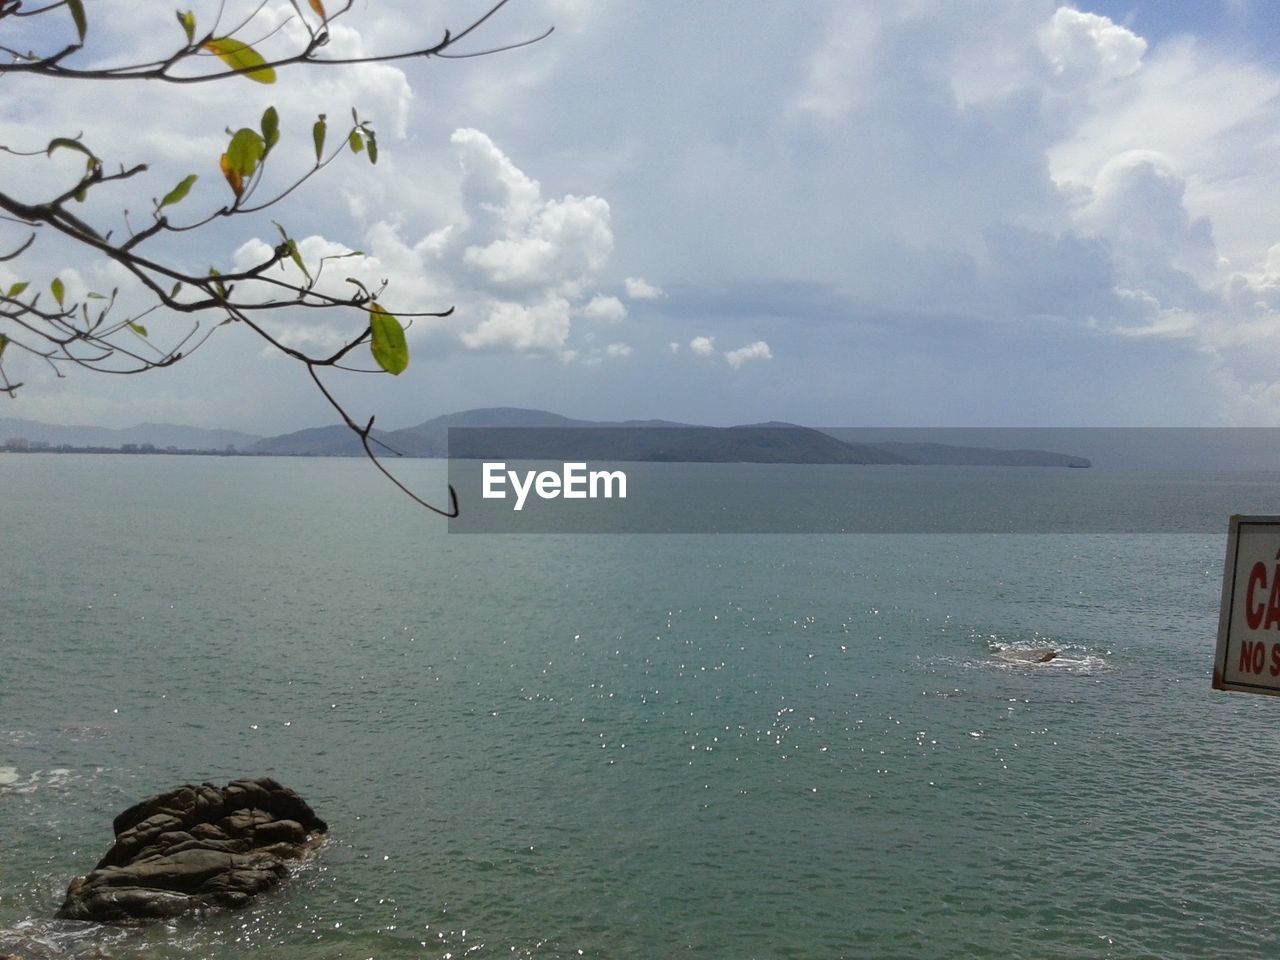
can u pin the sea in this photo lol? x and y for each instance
(618, 746)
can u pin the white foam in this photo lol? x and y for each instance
(8, 775)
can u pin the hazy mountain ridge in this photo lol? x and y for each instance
(507, 434)
(934, 453)
(160, 435)
(772, 443)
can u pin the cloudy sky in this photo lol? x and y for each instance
(870, 212)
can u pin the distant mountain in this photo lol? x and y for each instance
(518, 434)
(427, 439)
(160, 435)
(506, 434)
(933, 453)
(334, 441)
(761, 443)
(431, 437)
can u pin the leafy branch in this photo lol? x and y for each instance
(94, 330)
(238, 57)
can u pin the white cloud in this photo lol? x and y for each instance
(1212, 115)
(673, 347)
(703, 346)
(605, 309)
(519, 239)
(513, 264)
(567, 240)
(1079, 44)
(640, 289)
(1138, 207)
(539, 326)
(753, 351)
(618, 350)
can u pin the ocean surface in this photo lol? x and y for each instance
(632, 746)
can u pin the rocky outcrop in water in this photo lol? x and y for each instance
(194, 848)
(1031, 655)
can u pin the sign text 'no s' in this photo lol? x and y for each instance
(1248, 652)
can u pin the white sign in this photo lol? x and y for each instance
(1248, 653)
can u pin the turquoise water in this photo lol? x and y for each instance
(626, 746)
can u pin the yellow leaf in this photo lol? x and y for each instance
(232, 175)
(241, 56)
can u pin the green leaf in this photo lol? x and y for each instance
(317, 136)
(77, 14)
(16, 289)
(355, 141)
(176, 287)
(188, 21)
(297, 258)
(387, 344)
(94, 296)
(292, 247)
(218, 285)
(241, 56)
(4, 342)
(180, 191)
(373, 146)
(67, 143)
(139, 329)
(57, 290)
(246, 149)
(270, 127)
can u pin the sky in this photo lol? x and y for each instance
(856, 213)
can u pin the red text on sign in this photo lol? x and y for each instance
(1262, 615)
(1253, 658)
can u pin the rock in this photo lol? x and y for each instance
(195, 848)
(1033, 655)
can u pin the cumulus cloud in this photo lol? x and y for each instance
(1257, 291)
(522, 241)
(605, 309)
(514, 263)
(752, 351)
(522, 327)
(594, 356)
(1137, 206)
(703, 346)
(1079, 44)
(529, 256)
(638, 288)
(706, 347)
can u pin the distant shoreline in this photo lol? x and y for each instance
(154, 451)
(117, 451)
